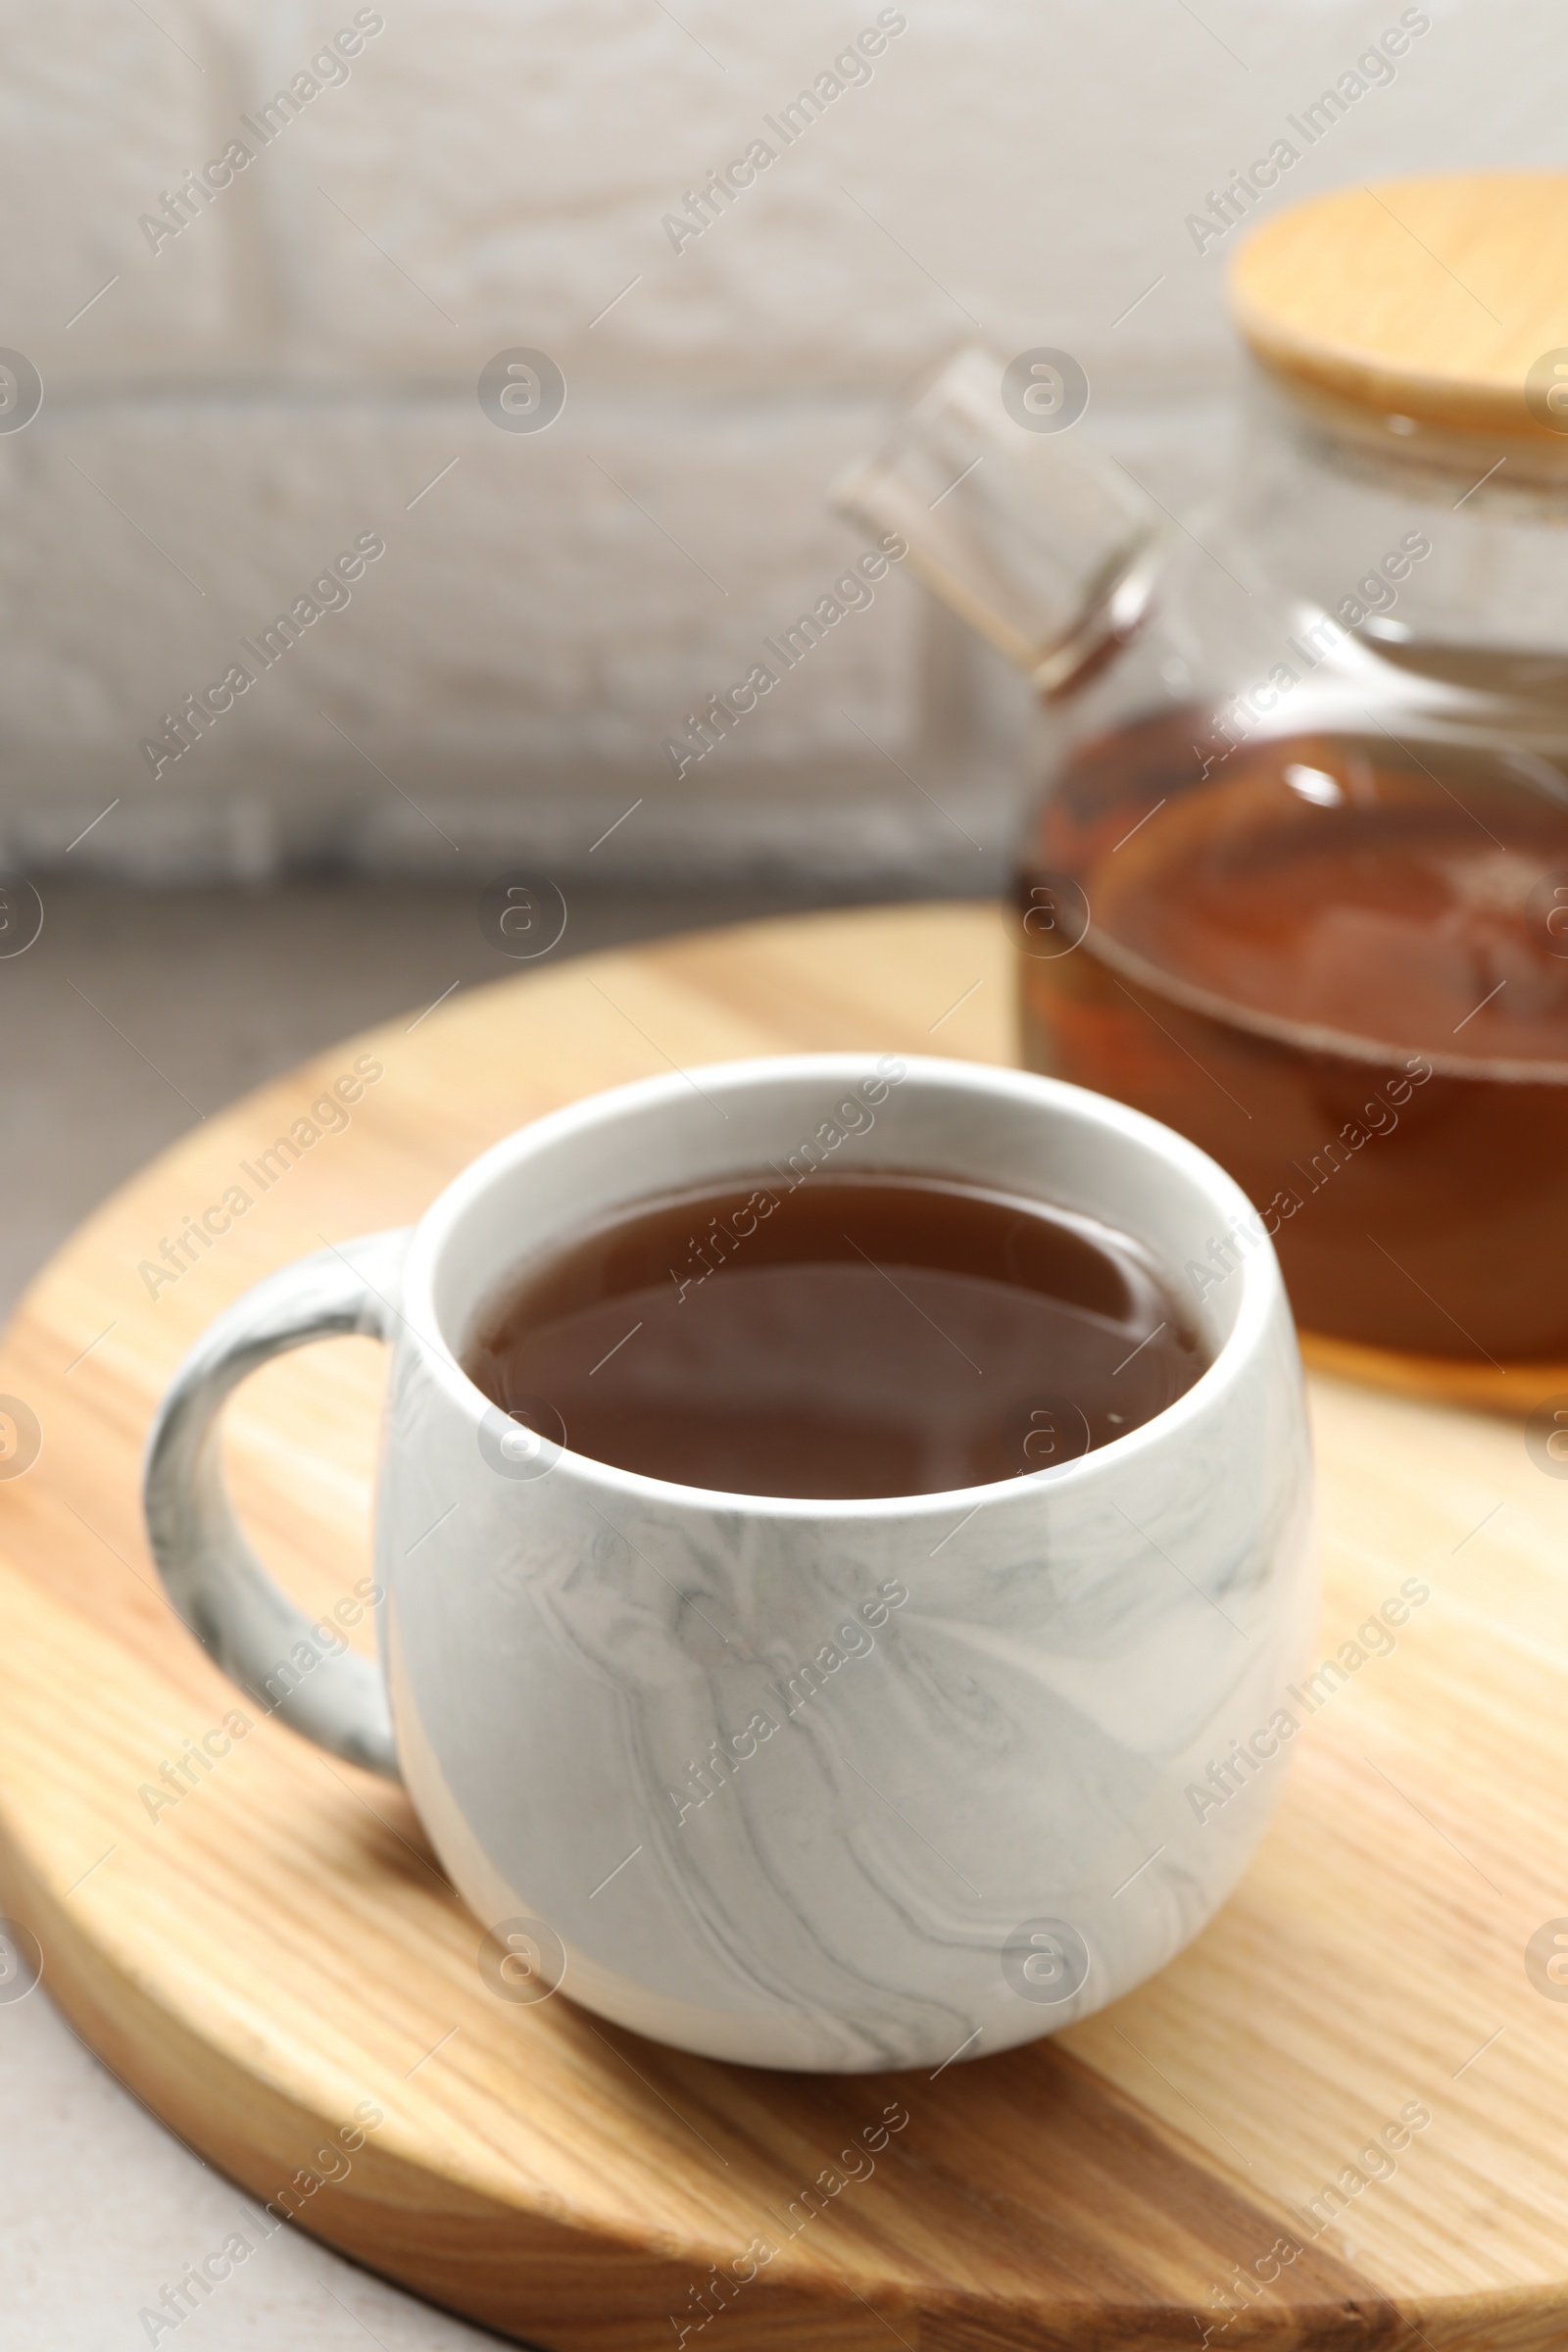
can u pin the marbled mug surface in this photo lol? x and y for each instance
(832, 1785)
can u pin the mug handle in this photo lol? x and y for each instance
(245, 1623)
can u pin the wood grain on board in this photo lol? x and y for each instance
(274, 1962)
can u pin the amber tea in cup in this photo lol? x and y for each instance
(874, 1333)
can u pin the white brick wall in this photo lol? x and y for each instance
(300, 360)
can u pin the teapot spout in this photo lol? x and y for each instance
(1041, 542)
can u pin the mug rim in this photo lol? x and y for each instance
(1262, 1286)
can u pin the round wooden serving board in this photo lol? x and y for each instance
(274, 1958)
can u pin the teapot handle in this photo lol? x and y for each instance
(1038, 539)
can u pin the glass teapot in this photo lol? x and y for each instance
(1297, 881)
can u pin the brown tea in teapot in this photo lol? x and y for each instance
(1339, 964)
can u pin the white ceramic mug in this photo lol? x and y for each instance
(817, 1785)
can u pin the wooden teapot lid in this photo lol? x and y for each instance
(1443, 299)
